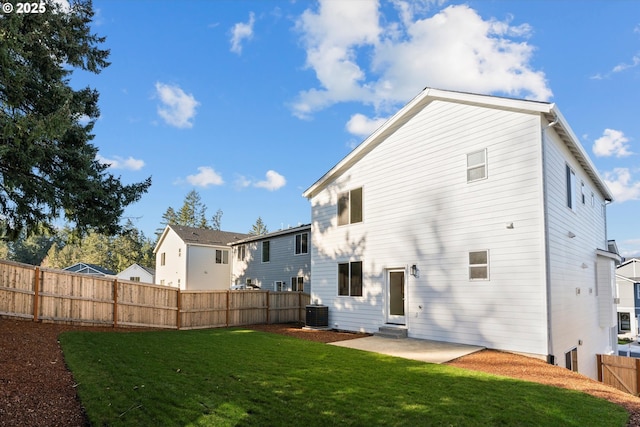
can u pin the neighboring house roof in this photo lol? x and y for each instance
(201, 236)
(631, 266)
(291, 230)
(149, 270)
(548, 110)
(86, 268)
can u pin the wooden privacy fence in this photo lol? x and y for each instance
(620, 372)
(57, 296)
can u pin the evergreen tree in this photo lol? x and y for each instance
(216, 221)
(48, 166)
(259, 228)
(193, 211)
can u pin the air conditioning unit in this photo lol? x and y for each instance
(317, 316)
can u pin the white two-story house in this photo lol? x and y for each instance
(471, 219)
(194, 258)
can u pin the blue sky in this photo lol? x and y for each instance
(250, 102)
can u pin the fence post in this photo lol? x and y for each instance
(227, 321)
(178, 316)
(268, 307)
(637, 376)
(36, 293)
(299, 306)
(599, 362)
(115, 303)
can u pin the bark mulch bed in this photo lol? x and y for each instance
(36, 389)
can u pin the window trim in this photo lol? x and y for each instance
(297, 284)
(478, 265)
(223, 258)
(351, 286)
(266, 243)
(345, 207)
(571, 182)
(484, 165)
(242, 252)
(298, 248)
(163, 258)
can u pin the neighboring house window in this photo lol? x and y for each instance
(134, 279)
(242, 251)
(266, 255)
(571, 359)
(479, 265)
(582, 191)
(302, 243)
(350, 279)
(297, 284)
(593, 199)
(350, 207)
(279, 286)
(624, 322)
(222, 257)
(476, 165)
(571, 188)
(162, 282)
(162, 258)
(179, 252)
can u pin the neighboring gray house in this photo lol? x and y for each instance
(137, 273)
(278, 261)
(90, 269)
(628, 284)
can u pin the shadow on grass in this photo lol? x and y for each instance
(235, 377)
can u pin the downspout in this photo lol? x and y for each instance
(547, 260)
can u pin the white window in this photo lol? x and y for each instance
(134, 279)
(222, 256)
(162, 258)
(302, 244)
(350, 207)
(350, 279)
(571, 188)
(479, 265)
(477, 165)
(279, 286)
(242, 252)
(297, 284)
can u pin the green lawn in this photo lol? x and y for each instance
(236, 377)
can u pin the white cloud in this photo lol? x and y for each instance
(241, 32)
(120, 163)
(361, 125)
(453, 49)
(242, 182)
(273, 182)
(635, 61)
(205, 177)
(611, 143)
(622, 185)
(178, 108)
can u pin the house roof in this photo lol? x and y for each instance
(201, 236)
(547, 110)
(290, 230)
(149, 270)
(86, 268)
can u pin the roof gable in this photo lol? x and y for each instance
(86, 268)
(292, 230)
(546, 110)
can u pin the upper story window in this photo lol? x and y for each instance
(477, 165)
(571, 188)
(242, 252)
(222, 256)
(350, 207)
(302, 243)
(266, 255)
(163, 258)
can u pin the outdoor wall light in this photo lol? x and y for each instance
(414, 270)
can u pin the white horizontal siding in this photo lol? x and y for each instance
(572, 261)
(419, 209)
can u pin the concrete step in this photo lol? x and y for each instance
(397, 332)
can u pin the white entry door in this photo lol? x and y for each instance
(396, 297)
